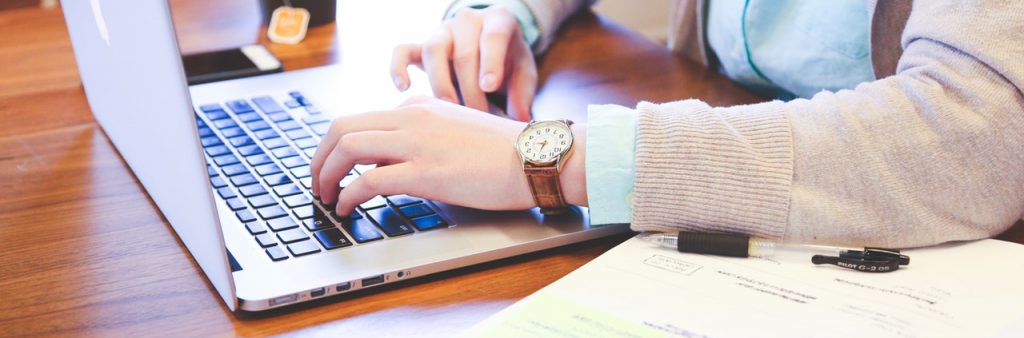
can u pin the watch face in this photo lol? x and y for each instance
(544, 141)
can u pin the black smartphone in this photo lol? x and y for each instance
(230, 64)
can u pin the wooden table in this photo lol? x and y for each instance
(84, 251)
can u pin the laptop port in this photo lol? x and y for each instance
(373, 280)
(283, 300)
(343, 286)
(317, 293)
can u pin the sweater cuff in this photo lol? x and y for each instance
(700, 168)
(611, 145)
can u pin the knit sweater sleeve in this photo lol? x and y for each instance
(932, 154)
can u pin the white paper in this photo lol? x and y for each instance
(973, 289)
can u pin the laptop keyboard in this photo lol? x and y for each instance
(258, 152)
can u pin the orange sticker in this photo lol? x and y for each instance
(288, 25)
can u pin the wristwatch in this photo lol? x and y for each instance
(543, 147)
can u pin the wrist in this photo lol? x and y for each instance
(573, 178)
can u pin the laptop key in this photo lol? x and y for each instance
(292, 104)
(320, 128)
(249, 117)
(261, 201)
(274, 143)
(235, 204)
(303, 248)
(281, 153)
(257, 125)
(331, 238)
(292, 236)
(389, 221)
(373, 203)
(309, 151)
(226, 193)
(279, 117)
(215, 151)
(258, 159)
(271, 212)
(293, 162)
(205, 132)
(296, 201)
(210, 141)
(218, 114)
(301, 172)
(267, 104)
(307, 182)
(250, 150)
(429, 222)
(210, 107)
(314, 119)
(297, 134)
(281, 224)
(266, 240)
(347, 180)
(276, 254)
(224, 160)
(265, 134)
(416, 210)
(255, 228)
(242, 180)
(232, 132)
(339, 219)
(362, 230)
(245, 216)
(402, 200)
(235, 169)
(224, 124)
(316, 223)
(239, 106)
(218, 182)
(268, 169)
(303, 213)
(306, 143)
(289, 125)
(252, 190)
(239, 141)
(277, 179)
(287, 190)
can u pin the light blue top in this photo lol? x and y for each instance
(784, 49)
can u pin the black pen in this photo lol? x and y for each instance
(737, 245)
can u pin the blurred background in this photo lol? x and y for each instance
(648, 17)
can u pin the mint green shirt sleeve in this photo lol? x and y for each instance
(527, 22)
(611, 152)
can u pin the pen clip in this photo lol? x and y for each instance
(867, 260)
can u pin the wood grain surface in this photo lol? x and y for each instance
(84, 251)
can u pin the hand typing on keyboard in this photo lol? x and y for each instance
(436, 150)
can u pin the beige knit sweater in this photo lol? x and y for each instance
(932, 153)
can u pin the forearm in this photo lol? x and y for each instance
(573, 177)
(930, 155)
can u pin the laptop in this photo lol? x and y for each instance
(227, 163)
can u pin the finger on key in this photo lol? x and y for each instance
(389, 180)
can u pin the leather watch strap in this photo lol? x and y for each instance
(547, 190)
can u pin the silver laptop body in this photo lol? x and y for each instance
(130, 66)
